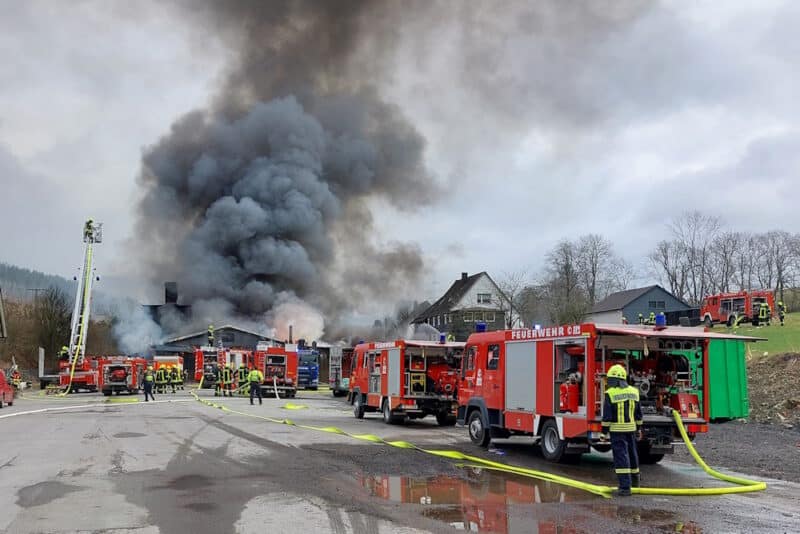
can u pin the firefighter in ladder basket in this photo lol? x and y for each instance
(622, 417)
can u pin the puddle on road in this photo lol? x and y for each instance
(483, 501)
(43, 493)
(486, 501)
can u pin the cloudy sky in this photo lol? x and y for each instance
(539, 124)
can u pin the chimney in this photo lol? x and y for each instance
(464, 276)
(170, 293)
(290, 333)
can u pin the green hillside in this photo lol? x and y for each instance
(781, 339)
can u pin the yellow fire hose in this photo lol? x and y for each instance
(743, 485)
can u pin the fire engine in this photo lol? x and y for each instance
(206, 361)
(120, 374)
(280, 368)
(728, 307)
(406, 379)
(340, 366)
(549, 383)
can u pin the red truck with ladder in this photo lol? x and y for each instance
(406, 379)
(118, 374)
(206, 361)
(729, 308)
(280, 367)
(549, 384)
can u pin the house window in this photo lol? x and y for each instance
(478, 316)
(484, 298)
(468, 317)
(657, 304)
(489, 317)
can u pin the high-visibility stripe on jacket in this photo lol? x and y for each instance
(255, 376)
(622, 411)
(148, 377)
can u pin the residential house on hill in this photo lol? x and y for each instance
(471, 299)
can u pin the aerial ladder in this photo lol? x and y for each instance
(80, 372)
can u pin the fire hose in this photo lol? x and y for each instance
(743, 485)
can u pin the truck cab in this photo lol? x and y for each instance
(308, 368)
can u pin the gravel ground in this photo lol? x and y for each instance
(753, 448)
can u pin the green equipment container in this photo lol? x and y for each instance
(727, 372)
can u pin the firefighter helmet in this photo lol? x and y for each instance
(149, 367)
(617, 371)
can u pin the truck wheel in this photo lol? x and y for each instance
(478, 430)
(358, 407)
(645, 456)
(553, 447)
(388, 417)
(1, 401)
(313, 388)
(106, 393)
(445, 419)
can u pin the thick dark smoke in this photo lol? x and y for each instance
(258, 206)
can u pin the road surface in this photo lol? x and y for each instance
(180, 466)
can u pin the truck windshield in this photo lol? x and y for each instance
(308, 359)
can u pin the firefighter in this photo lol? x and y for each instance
(622, 417)
(241, 379)
(217, 381)
(641, 319)
(174, 378)
(149, 379)
(652, 318)
(254, 378)
(211, 335)
(161, 380)
(64, 352)
(763, 313)
(227, 380)
(781, 311)
(88, 229)
(450, 337)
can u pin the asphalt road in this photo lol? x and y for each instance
(180, 466)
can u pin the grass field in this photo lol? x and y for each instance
(781, 339)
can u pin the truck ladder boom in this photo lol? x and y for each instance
(83, 297)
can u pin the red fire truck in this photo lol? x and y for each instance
(84, 378)
(340, 367)
(406, 379)
(728, 307)
(279, 365)
(206, 361)
(120, 374)
(549, 383)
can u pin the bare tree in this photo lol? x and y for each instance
(566, 298)
(512, 285)
(668, 264)
(696, 232)
(52, 311)
(722, 268)
(600, 270)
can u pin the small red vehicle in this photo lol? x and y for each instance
(6, 391)
(279, 365)
(406, 379)
(727, 308)
(120, 374)
(549, 384)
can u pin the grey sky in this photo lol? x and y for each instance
(543, 125)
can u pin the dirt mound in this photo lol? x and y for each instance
(774, 384)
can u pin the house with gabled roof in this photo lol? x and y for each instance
(630, 303)
(469, 300)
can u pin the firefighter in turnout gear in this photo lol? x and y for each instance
(161, 380)
(622, 417)
(227, 380)
(641, 319)
(254, 378)
(148, 382)
(173, 378)
(652, 318)
(242, 383)
(763, 314)
(218, 381)
(781, 311)
(211, 335)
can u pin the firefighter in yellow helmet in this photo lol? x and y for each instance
(227, 380)
(622, 417)
(161, 379)
(148, 382)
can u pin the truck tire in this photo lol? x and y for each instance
(645, 456)
(445, 419)
(107, 392)
(553, 447)
(388, 417)
(358, 406)
(478, 429)
(1, 401)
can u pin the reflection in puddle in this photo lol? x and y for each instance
(487, 501)
(484, 501)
